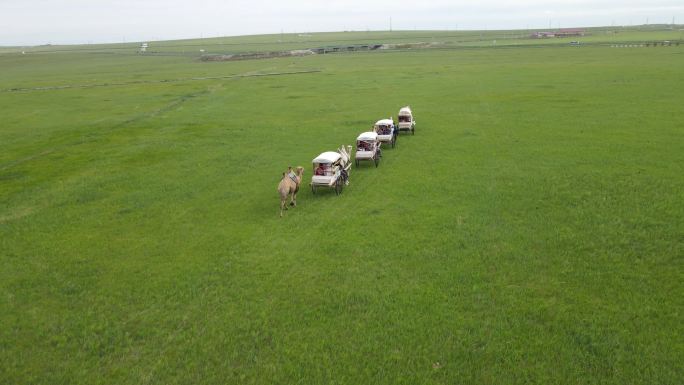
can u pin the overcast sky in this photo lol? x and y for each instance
(30, 22)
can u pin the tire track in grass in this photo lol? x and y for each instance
(134, 119)
(136, 82)
(20, 212)
(26, 159)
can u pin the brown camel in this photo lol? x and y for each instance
(289, 185)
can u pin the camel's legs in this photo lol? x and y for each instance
(283, 205)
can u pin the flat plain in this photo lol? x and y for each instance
(530, 232)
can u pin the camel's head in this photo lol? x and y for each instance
(299, 170)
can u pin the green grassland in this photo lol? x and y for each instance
(530, 232)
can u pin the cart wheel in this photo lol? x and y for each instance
(377, 160)
(357, 163)
(338, 188)
(413, 131)
(313, 189)
(394, 141)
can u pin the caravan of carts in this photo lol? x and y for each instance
(331, 168)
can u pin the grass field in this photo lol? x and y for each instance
(530, 232)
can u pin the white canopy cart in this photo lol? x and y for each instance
(331, 169)
(385, 130)
(367, 148)
(406, 122)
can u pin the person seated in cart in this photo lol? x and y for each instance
(321, 169)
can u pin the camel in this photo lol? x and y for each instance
(289, 185)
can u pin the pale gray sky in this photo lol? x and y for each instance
(30, 22)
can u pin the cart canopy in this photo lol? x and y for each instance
(368, 136)
(405, 111)
(384, 122)
(328, 157)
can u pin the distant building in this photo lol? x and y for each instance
(559, 33)
(542, 35)
(569, 32)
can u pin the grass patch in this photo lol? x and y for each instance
(530, 232)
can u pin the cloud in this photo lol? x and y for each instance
(78, 21)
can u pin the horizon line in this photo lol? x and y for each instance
(338, 31)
